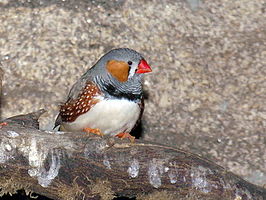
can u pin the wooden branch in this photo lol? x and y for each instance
(77, 166)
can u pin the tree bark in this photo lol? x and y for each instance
(63, 165)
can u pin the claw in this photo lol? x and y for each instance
(3, 124)
(126, 135)
(95, 131)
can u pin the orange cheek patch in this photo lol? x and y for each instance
(118, 69)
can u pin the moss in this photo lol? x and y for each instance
(12, 185)
(103, 188)
(158, 195)
(70, 193)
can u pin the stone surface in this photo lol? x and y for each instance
(208, 88)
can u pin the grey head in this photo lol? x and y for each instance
(110, 85)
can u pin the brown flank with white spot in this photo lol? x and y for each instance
(85, 101)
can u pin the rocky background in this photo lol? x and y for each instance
(207, 91)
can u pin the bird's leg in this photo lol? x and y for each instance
(3, 124)
(93, 130)
(126, 135)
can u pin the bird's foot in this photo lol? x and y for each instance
(126, 135)
(95, 131)
(3, 124)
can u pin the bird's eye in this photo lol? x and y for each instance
(129, 62)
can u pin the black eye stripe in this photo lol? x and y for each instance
(129, 62)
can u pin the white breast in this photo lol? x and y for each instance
(110, 116)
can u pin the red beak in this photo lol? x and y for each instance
(143, 67)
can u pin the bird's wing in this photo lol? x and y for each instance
(78, 87)
(79, 103)
(73, 94)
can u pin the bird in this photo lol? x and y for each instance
(108, 98)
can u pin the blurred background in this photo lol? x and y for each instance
(207, 91)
